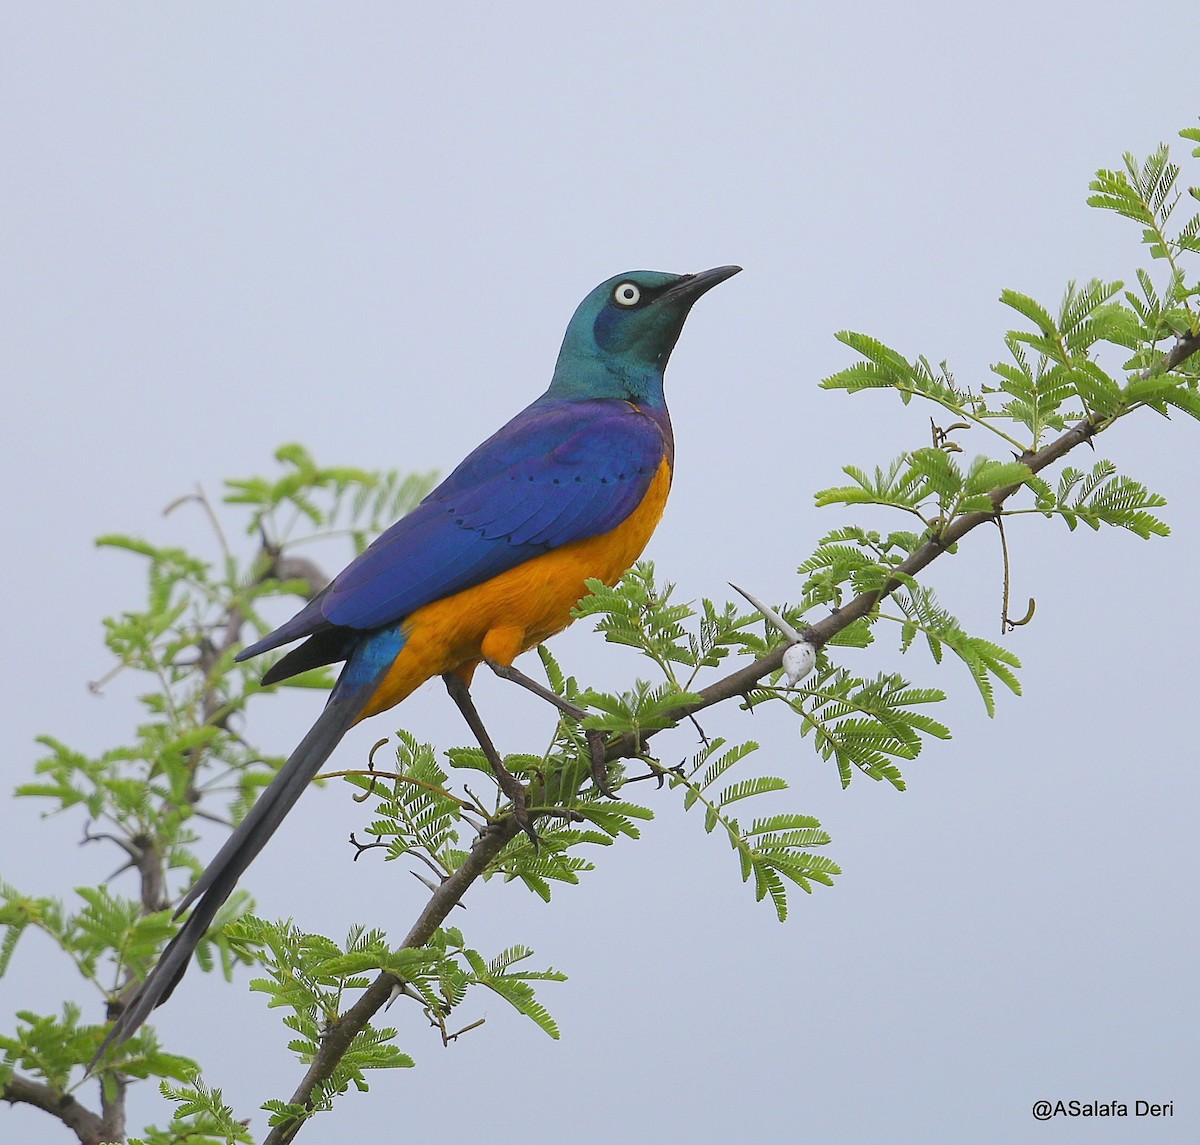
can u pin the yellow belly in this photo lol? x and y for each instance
(518, 609)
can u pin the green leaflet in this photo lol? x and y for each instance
(1104, 497)
(774, 848)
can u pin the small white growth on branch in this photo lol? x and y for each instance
(800, 658)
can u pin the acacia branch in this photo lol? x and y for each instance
(740, 682)
(145, 850)
(86, 1125)
(341, 1034)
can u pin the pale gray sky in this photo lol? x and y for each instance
(363, 226)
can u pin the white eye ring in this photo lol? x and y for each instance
(627, 294)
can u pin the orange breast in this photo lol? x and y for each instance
(518, 609)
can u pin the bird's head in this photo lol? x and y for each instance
(623, 332)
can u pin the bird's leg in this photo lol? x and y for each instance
(594, 737)
(508, 672)
(509, 784)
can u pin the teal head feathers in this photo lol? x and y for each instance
(623, 332)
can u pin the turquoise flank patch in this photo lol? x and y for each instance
(372, 657)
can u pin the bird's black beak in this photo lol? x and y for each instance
(691, 286)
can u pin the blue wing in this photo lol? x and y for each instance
(560, 471)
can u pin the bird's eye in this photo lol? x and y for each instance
(627, 294)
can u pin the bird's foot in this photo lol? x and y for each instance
(520, 812)
(518, 795)
(595, 741)
(658, 772)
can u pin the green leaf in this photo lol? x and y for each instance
(985, 660)
(1105, 497)
(1034, 311)
(943, 477)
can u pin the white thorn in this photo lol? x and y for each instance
(771, 615)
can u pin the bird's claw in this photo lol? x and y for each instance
(595, 741)
(520, 812)
(515, 790)
(660, 773)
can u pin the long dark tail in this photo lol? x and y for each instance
(220, 877)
